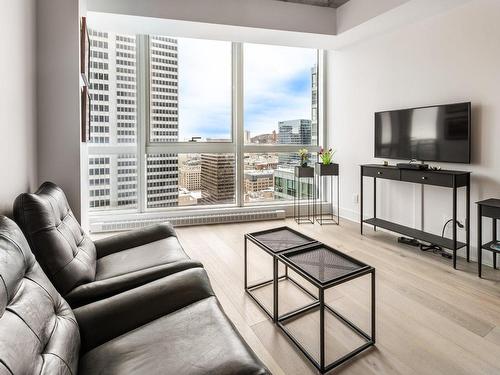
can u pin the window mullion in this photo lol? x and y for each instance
(238, 121)
(143, 88)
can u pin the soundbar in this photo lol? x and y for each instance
(412, 166)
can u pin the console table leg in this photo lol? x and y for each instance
(361, 203)
(375, 201)
(479, 239)
(494, 232)
(454, 224)
(467, 220)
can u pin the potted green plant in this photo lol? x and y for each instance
(304, 157)
(325, 167)
(303, 170)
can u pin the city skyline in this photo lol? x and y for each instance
(180, 76)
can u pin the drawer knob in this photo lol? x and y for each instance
(379, 172)
(424, 178)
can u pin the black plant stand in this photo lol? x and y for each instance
(323, 173)
(487, 208)
(301, 214)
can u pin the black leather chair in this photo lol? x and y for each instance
(173, 325)
(84, 271)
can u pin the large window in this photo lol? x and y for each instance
(165, 129)
(280, 95)
(190, 90)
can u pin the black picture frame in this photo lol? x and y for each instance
(84, 51)
(85, 105)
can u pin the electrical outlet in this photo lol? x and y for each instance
(355, 198)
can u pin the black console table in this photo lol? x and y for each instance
(443, 178)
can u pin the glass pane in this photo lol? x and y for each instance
(281, 95)
(112, 181)
(190, 179)
(190, 90)
(112, 174)
(270, 177)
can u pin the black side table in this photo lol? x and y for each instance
(487, 208)
(325, 267)
(274, 242)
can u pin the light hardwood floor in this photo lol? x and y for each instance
(431, 319)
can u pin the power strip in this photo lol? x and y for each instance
(408, 241)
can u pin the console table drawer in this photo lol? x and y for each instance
(387, 173)
(427, 178)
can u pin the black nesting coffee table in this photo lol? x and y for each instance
(274, 242)
(326, 267)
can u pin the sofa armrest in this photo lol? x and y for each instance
(101, 289)
(104, 320)
(134, 238)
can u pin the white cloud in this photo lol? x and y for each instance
(269, 71)
(205, 85)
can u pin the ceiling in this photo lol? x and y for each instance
(321, 3)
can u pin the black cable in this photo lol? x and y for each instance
(436, 249)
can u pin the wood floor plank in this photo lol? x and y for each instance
(431, 319)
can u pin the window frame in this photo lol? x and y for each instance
(236, 146)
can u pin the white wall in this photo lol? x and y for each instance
(268, 14)
(355, 12)
(58, 95)
(17, 101)
(451, 57)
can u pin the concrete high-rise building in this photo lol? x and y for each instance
(113, 94)
(284, 185)
(217, 178)
(293, 132)
(113, 121)
(162, 169)
(190, 177)
(259, 185)
(314, 105)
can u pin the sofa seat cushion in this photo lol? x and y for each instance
(197, 339)
(164, 251)
(127, 269)
(105, 288)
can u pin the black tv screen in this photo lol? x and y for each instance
(437, 133)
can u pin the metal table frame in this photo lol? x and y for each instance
(322, 306)
(249, 289)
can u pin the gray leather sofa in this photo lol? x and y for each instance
(172, 325)
(83, 270)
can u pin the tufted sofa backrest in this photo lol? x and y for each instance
(65, 252)
(38, 331)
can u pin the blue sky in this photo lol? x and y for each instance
(277, 87)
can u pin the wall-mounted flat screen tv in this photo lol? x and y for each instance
(438, 133)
